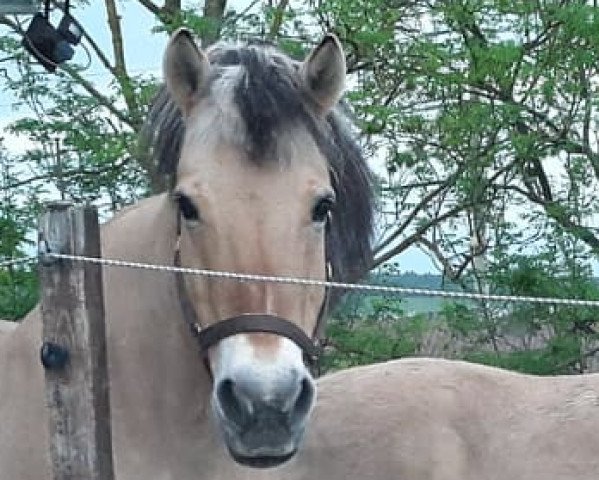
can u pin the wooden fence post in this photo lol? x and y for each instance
(74, 346)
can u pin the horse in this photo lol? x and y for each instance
(436, 419)
(231, 209)
(267, 179)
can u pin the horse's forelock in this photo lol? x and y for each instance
(267, 96)
(269, 99)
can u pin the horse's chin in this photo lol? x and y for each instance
(261, 456)
(261, 461)
(265, 442)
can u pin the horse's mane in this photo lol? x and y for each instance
(269, 97)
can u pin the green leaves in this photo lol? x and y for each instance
(18, 292)
(380, 335)
(532, 338)
(18, 283)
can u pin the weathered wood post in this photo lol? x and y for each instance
(74, 345)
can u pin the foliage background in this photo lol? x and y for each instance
(480, 117)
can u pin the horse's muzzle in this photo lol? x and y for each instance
(261, 406)
(263, 425)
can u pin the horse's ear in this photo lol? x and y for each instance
(185, 68)
(323, 73)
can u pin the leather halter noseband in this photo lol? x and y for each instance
(246, 323)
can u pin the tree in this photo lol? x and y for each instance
(540, 339)
(18, 281)
(483, 108)
(465, 99)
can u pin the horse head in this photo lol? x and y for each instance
(267, 181)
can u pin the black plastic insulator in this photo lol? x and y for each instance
(53, 356)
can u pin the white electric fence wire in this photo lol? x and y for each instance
(328, 284)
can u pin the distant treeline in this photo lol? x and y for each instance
(428, 281)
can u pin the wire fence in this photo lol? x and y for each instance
(364, 287)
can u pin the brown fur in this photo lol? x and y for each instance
(271, 234)
(264, 343)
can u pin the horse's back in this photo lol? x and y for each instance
(449, 420)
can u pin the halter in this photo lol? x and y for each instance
(247, 323)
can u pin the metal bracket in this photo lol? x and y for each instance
(45, 248)
(47, 240)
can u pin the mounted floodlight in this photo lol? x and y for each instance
(19, 7)
(46, 44)
(50, 46)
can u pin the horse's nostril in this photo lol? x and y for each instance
(235, 408)
(244, 404)
(304, 400)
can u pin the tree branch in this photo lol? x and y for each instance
(448, 268)
(170, 8)
(414, 237)
(70, 173)
(423, 202)
(214, 11)
(561, 217)
(277, 19)
(114, 22)
(102, 99)
(120, 68)
(152, 7)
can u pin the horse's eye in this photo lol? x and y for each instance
(187, 208)
(322, 208)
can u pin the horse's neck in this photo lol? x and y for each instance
(160, 388)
